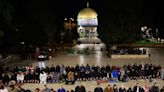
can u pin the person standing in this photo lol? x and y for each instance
(108, 89)
(115, 89)
(146, 88)
(115, 75)
(80, 88)
(155, 88)
(122, 89)
(61, 89)
(43, 77)
(122, 74)
(20, 77)
(98, 88)
(137, 88)
(130, 90)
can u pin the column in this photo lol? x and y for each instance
(93, 33)
(89, 33)
(84, 33)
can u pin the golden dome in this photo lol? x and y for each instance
(87, 13)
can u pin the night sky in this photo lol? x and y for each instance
(40, 21)
(151, 10)
(47, 14)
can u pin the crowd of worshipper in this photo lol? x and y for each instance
(54, 74)
(128, 51)
(81, 88)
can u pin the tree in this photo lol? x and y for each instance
(33, 33)
(121, 21)
(9, 39)
(43, 13)
(70, 30)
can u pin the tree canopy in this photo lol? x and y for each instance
(120, 21)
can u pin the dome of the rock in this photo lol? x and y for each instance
(87, 13)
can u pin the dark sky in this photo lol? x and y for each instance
(151, 11)
(42, 15)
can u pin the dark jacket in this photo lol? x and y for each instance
(135, 89)
(162, 90)
(130, 90)
(154, 89)
(115, 90)
(80, 89)
(98, 89)
(122, 90)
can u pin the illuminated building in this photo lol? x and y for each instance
(87, 22)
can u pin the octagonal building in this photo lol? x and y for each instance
(87, 25)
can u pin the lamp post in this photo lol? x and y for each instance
(70, 22)
(69, 26)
